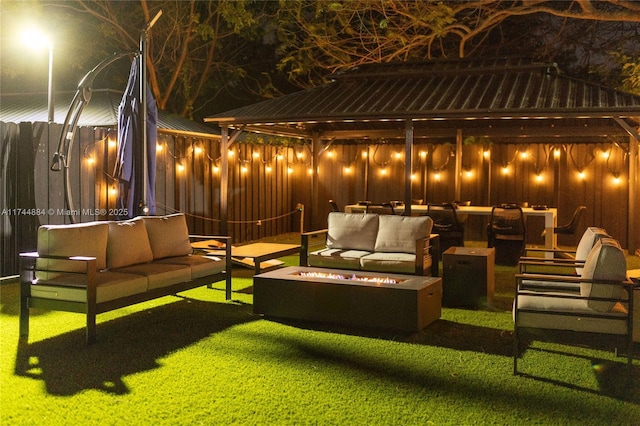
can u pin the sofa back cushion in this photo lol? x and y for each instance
(128, 244)
(168, 235)
(606, 261)
(398, 234)
(354, 231)
(80, 239)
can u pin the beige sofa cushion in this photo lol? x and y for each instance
(80, 239)
(168, 235)
(402, 263)
(606, 261)
(72, 287)
(128, 244)
(398, 234)
(352, 231)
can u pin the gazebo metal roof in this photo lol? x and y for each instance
(514, 97)
(506, 99)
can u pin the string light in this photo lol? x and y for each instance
(468, 173)
(486, 154)
(616, 179)
(524, 155)
(423, 154)
(383, 171)
(91, 160)
(243, 169)
(581, 175)
(557, 152)
(289, 169)
(505, 170)
(180, 167)
(255, 155)
(398, 155)
(539, 177)
(437, 176)
(216, 169)
(113, 190)
(159, 147)
(112, 143)
(197, 150)
(268, 169)
(347, 170)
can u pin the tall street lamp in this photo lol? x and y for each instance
(36, 38)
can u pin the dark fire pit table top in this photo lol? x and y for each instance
(356, 298)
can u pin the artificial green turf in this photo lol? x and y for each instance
(196, 359)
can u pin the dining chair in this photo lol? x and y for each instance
(446, 224)
(507, 233)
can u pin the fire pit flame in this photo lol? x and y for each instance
(352, 277)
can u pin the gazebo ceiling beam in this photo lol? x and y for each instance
(420, 132)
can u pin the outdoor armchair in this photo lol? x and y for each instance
(603, 304)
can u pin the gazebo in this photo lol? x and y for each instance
(505, 99)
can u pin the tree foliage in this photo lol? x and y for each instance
(322, 37)
(196, 49)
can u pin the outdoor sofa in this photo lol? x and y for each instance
(100, 266)
(373, 242)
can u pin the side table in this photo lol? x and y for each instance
(468, 276)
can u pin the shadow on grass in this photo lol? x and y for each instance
(441, 333)
(126, 345)
(615, 379)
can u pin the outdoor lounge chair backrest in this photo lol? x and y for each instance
(606, 261)
(588, 240)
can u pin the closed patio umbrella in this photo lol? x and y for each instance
(129, 168)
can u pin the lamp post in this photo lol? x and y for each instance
(35, 38)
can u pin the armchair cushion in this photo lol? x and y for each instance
(398, 234)
(588, 240)
(606, 261)
(352, 231)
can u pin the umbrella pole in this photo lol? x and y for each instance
(143, 206)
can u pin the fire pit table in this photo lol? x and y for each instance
(355, 298)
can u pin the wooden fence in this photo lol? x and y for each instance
(268, 183)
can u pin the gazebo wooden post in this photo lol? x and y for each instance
(224, 179)
(457, 182)
(315, 153)
(634, 196)
(408, 162)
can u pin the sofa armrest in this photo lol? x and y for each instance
(305, 244)
(222, 248)
(427, 254)
(29, 267)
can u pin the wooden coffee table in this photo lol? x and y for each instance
(259, 256)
